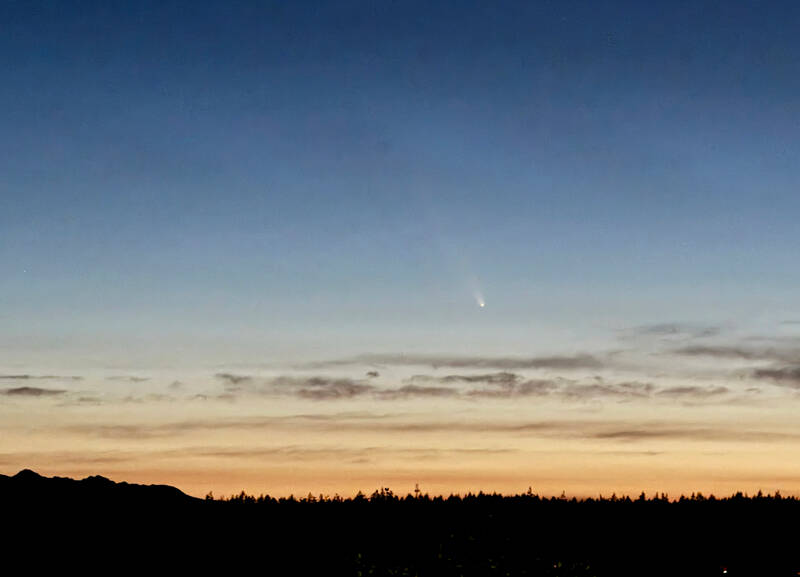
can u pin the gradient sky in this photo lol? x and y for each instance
(217, 218)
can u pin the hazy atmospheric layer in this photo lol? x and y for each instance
(686, 412)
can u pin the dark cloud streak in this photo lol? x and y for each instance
(580, 361)
(26, 377)
(129, 379)
(693, 391)
(727, 352)
(499, 385)
(234, 379)
(32, 392)
(506, 390)
(786, 376)
(409, 391)
(684, 330)
(382, 424)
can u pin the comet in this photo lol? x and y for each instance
(479, 297)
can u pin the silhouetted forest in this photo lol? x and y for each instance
(96, 523)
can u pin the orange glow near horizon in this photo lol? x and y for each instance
(448, 446)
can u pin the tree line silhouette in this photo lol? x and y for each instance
(385, 494)
(476, 534)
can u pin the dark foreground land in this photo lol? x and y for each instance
(97, 525)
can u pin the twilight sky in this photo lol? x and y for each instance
(243, 244)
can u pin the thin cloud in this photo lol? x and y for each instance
(680, 330)
(691, 434)
(409, 391)
(573, 391)
(314, 387)
(127, 378)
(83, 400)
(299, 452)
(293, 453)
(496, 385)
(26, 377)
(566, 389)
(786, 352)
(149, 398)
(620, 431)
(32, 392)
(319, 388)
(234, 379)
(125, 431)
(787, 376)
(505, 390)
(727, 352)
(591, 430)
(338, 390)
(133, 431)
(220, 397)
(508, 385)
(502, 378)
(69, 458)
(631, 390)
(693, 391)
(313, 382)
(568, 362)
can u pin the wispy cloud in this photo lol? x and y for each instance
(626, 390)
(32, 392)
(730, 352)
(317, 388)
(566, 389)
(503, 378)
(82, 400)
(234, 379)
(693, 391)
(69, 458)
(409, 391)
(292, 453)
(564, 429)
(567, 362)
(691, 433)
(508, 389)
(338, 390)
(149, 398)
(26, 377)
(496, 385)
(787, 375)
(169, 429)
(674, 330)
(128, 378)
(301, 452)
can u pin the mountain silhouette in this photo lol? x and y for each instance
(32, 487)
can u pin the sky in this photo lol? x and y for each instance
(245, 245)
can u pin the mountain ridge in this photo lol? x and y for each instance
(29, 483)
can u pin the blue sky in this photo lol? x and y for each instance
(271, 173)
